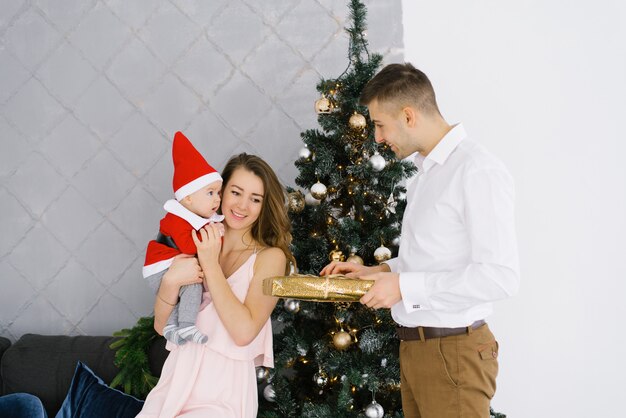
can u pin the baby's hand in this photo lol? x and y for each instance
(220, 228)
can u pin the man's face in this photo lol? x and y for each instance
(206, 201)
(391, 129)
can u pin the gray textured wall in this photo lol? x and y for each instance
(91, 93)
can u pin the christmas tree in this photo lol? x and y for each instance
(340, 359)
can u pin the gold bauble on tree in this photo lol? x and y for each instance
(353, 258)
(336, 255)
(296, 202)
(357, 121)
(342, 340)
(322, 106)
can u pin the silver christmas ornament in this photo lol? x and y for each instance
(269, 393)
(310, 200)
(304, 153)
(262, 374)
(377, 162)
(292, 305)
(396, 241)
(320, 379)
(382, 254)
(383, 362)
(374, 410)
(319, 191)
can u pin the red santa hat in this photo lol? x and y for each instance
(191, 171)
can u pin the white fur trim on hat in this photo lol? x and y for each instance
(196, 185)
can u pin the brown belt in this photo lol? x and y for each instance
(425, 333)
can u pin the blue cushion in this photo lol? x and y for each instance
(20, 405)
(90, 397)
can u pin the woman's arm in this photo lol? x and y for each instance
(184, 270)
(243, 321)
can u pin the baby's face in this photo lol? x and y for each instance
(206, 201)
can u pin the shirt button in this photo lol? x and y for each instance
(494, 354)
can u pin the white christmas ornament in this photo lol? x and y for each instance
(377, 162)
(304, 153)
(318, 190)
(269, 393)
(310, 200)
(374, 410)
(382, 253)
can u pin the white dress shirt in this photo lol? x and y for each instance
(458, 249)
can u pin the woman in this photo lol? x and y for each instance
(218, 379)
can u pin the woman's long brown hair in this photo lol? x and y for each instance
(273, 228)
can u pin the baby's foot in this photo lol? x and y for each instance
(192, 333)
(172, 334)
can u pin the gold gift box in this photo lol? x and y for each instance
(332, 288)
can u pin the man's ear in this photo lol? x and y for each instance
(410, 116)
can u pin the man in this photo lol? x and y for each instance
(457, 255)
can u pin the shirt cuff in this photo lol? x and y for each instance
(413, 291)
(392, 263)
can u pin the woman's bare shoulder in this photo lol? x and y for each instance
(271, 254)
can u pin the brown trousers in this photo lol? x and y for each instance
(451, 377)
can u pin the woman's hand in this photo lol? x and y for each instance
(209, 244)
(184, 270)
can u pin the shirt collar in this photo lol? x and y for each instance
(443, 149)
(176, 208)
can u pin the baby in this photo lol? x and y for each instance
(197, 188)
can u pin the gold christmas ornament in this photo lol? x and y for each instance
(382, 254)
(357, 121)
(336, 255)
(353, 258)
(342, 340)
(322, 106)
(296, 202)
(319, 190)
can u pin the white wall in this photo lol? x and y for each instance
(91, 93)
(543, 85)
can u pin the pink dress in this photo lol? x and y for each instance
(216, 379)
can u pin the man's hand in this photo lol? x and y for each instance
(351, 269)
(384, 293)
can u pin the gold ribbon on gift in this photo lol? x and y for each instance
(332, 288)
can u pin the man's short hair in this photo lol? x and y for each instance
(400, 85)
